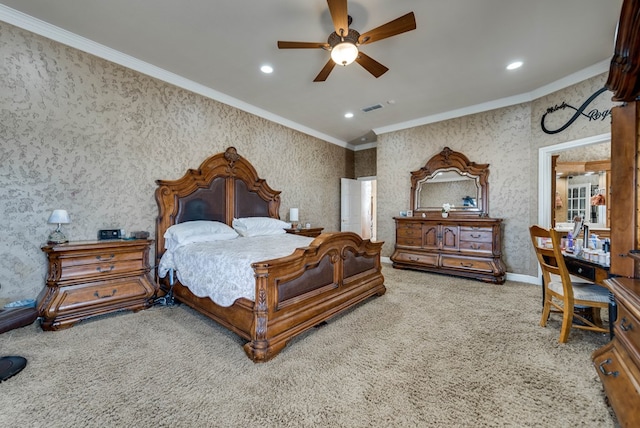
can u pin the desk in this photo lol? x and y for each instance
(586, 269)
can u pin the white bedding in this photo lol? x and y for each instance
(221, 270)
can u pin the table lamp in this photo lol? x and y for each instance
(293, 217)
(58, 217)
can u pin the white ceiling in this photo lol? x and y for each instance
(453, 63)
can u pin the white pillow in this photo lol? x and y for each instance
(197, 231)
(258, 226)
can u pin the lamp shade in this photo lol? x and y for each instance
(344, 53)
(293, 214)
(59, 217)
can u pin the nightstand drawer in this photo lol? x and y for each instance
(89, 271)
(102, 293)
(99, 257)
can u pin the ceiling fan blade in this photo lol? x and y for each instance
(324, 73)
(371, 65)
(302, 45)
(397, 26)
(339, 16)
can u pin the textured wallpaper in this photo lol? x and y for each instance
(365, 163)
(91, 137)
(508, 139)
(83, 134)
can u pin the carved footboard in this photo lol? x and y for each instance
(297, 292)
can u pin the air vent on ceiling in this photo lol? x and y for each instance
(371, 108)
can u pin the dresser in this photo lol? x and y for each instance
(90, 278)
(618, 362)
(468, 247)
(465, 241)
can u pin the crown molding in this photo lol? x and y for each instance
(73, 40)
(560, 84)
(68, 38)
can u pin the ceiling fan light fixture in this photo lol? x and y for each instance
(344, 53)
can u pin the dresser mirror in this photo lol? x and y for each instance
(450, 178)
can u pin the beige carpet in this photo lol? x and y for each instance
(435, 351)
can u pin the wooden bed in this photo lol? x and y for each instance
(294, 293)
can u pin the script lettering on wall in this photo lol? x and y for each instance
(593, 114)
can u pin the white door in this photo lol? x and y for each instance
(350, 207)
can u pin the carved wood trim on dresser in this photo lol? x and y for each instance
(467, 247)
(89, 278)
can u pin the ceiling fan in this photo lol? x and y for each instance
(343, 43)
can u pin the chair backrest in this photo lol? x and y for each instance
(547, 245)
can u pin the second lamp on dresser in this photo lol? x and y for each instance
(465, 242)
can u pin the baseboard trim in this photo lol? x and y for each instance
(523, 278)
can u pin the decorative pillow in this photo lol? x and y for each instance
(197, 231)
(258, 226)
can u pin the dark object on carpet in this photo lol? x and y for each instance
(14, 318)
(10, 319)
(10, 366)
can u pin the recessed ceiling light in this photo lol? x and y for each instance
(514, 65)
(348, 115)
(267, 69)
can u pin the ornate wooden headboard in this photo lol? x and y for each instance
(225, 186)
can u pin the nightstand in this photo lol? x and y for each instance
(311, 232)
(89, 278)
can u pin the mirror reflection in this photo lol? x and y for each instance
(582, 195)
(582, 187)
(448, 186)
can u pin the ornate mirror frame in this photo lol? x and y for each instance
(449, 160)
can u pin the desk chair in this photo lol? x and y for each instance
(560, 292)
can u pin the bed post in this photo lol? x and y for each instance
(259, 349)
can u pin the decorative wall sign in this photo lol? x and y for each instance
(594, 114)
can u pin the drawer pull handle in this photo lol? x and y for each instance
(604, 371)
(579, 270)
(476, 236)
(105, 258)
(475, 246)
(113, 293)
(467, 265)
(99, 269)
(625, 325)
